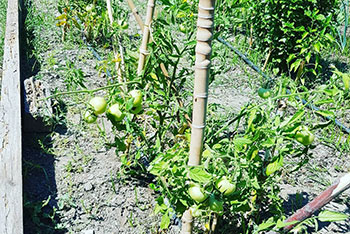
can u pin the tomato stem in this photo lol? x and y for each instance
(88, 90)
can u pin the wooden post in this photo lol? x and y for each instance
(11, 203)
(205, 25)
(145, 38)
(339, 186)
(318, 202)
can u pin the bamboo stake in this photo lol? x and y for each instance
(203, 51)
(145, 38)
(110, 12)
(205, 23)
(136, 14)
(187, 221)
(118, 65)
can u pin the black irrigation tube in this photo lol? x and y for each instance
(258, 70)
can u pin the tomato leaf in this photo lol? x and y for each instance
(325, 113)
(274, 166)
(264, 226)
(281, 224)
(164, 224)
(199, 175)
(240, 142)
(332, 216)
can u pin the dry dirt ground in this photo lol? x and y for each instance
(78, 176)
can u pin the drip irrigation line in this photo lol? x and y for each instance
(269, 79)
(92, 50)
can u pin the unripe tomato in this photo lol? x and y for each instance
(225, 186)
(264, 93)
(197, 194)
(137, 95)
(98, 104)
(195, 211)
(304, 136)
(114, 113)
(90, 117)
(182, 28)
(216, 205)
(136, 110)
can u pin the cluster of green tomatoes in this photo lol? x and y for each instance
(197, 193)
(303, 135)
(115, 113)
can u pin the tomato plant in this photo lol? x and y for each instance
(151, 112)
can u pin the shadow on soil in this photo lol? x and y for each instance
(39, 183)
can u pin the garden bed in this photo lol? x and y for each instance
(75, 183)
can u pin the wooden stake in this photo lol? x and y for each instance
(318, 202)
(136, 14)
(339, 186)
(145, 38)
(205, 25)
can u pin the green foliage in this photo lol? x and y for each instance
(293, 32)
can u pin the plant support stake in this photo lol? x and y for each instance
(145, 38)
(136, 14)
(205, 23)
(202, 65)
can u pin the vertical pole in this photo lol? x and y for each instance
(145, 38)
(205, 25)
(136, 14)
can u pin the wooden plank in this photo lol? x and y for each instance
(11, 203)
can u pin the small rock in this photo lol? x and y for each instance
(88, 232)
(88, 187)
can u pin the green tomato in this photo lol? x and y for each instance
(137, 95)
(182, 28)
(98, 104)
(225, 186)
(114, 113)
(136, 110)
(197, 194)
(264, 93)
(90, 117)
(304, 136)
(195, 211)
(216, 205)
